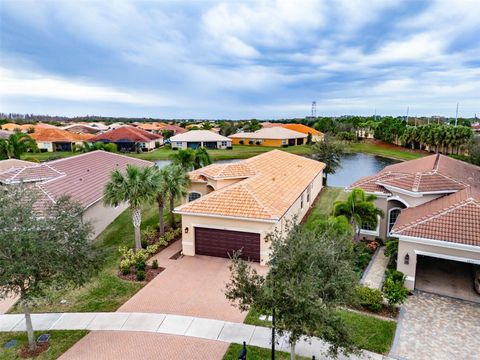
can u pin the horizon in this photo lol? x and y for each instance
(240, 60)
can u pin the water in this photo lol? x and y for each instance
(356, 166)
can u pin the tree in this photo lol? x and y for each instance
(206, 126)
(252, 126)
(161, 195)
(312, 274)
(359, 209)
(135, 187)
(202, 158)
(176, 185)
(167, 134)
(87, 147)
(309, 139)
(329, 152)
(37, 252)
(17, 144)
(474, 151)
(185, 158)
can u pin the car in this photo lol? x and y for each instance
(476, 279)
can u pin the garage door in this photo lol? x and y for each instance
(221, 243)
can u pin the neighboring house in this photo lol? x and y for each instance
(236, 205)
(55, 139)
(268, 124)
(200, 138)
(159, 127)
(129, 138)
(26, 127)
(83, 177)
(11, 164)
(432, 205)
(316, 135)
(4, 134)
(277, 136)
(82, 129)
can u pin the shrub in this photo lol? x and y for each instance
(370, 298)
(362, 255)
(149, 233)
(393, 288)
(144, 243)
(125, 267)
(155, 264)
(391, 250)
(346, 136)
(140, 275)
(153, 249)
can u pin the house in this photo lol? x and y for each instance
(129, 138)
(55, 139)
(200, 138)
(432, 205)
(80, 128)
(277, 136)
(4, 134)
(12, 164)
(316, 135)
(82, 177)
(26, 128)
(236, 205)
(267, 124)
(159, 127)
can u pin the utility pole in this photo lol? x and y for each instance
(314, 109)
(456, 116)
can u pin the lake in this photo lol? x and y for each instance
(354, 167)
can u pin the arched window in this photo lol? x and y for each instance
(193, 196)
(392, 217)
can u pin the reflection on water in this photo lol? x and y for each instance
(356, 166)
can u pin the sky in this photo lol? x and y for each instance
(240, 59)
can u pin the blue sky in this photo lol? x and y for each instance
(239, 59)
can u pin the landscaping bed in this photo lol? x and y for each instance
(257, 353)
(60, 341)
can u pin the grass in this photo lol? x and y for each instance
(388, 150)
(60, 341)
(368, 332)
(322, 208)
(106, 291)
(47, 156)
(256, 353)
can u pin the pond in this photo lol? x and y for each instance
(354, 167)
(358, 165)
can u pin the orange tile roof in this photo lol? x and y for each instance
(126, 132)
(58, 135)
(453, 218)
(279, 179)
(223, 171)
(302, 129)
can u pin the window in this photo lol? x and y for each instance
(392, 217)
(367, 227)
(193, 196)
(301, 201)
(224, 143)
(284, 142)
(308, 193)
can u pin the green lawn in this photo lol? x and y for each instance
(47, 156)
(104, 292)
(256, 353)
(60, 341)
(369, 333)
(322, 208)
(390, 151)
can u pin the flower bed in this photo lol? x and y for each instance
(150, 274)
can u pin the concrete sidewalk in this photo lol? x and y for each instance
(188, 326)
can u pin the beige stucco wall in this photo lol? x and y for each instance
(101, 216)
(184, 144)
(44, 145)
(263, 228)
(470, 254)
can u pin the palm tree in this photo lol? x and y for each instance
(160, 181)
(176, 185)
(359, 209)
(202, 158)
(135, 187)
(16, 145)
(185, 158)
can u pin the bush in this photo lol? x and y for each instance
(140, 275)
(393, 288)
(153, 249)
(391, 250)
(371, 299)
(125, 267)
(155, 264)
(144, 243)
(346, 136)
(362, 255)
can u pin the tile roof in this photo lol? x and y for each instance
(279, 179)
(57, 135)
(83, 177)
(271, 133)
(126, 133)
(11, 164)
(452, 218)
(159, 126)
(302, 129)
(267, 124)
(223, 171)
(4, 134)
(199, 135)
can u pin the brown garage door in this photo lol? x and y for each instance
(221, 243)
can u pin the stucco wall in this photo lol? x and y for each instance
(45, 145)
(265, 142)
(412, 249)
(102, 216)
(294, 212)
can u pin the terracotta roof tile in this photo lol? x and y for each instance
(126, 133)
(302, 129)
(223, 171)
(57, 135)
(279, 179)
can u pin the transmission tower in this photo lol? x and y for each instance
(314, 109)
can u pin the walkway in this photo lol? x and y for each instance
(180, 326)
(373, 276)
(436, 327)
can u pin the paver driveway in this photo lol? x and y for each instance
(193, 286)
(437, 327)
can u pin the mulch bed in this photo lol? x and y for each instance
(149, 274)
(26, 353)
(384, 312)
